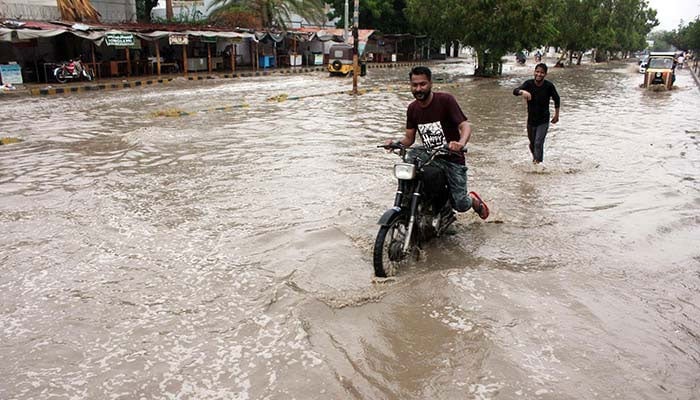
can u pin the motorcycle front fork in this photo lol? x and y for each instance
(415, 198)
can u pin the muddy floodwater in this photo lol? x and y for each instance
(212, 240)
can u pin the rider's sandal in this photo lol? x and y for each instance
(483, 209)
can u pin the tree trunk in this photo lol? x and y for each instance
(488, 64)
(169, 10)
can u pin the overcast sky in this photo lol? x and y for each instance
(670, 12)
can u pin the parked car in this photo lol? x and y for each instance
(660, 70)
(643, 62)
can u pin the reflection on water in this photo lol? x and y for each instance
(226, 253)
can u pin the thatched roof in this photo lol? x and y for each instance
(78, 11)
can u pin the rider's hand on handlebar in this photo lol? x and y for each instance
(456, 147)
(390, 145)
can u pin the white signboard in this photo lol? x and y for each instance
(176, 38)
(119, 39)
(11, 74)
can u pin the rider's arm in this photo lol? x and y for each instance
(407, 140)
(520, 91)
(557, 104)
(409, 137)
(465, 132)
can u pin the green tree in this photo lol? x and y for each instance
(691, 36)
(686, 37)
(574, 22)
(621, 26)
(144, 8)
(383, 15)
(272, 14)
(492, 27)
(633, 21)
(661, 40)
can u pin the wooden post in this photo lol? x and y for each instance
(184, 58)
(95, 71)
(209, 57)
(233, 57)
(158, 57)
(128, 62)
(256, 62)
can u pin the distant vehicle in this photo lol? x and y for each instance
(660, 70)
(643, 62)
(72, 70)
(340, 59)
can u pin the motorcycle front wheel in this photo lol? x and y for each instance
(60, 75)
(388, 247)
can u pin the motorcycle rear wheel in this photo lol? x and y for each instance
(388, 253)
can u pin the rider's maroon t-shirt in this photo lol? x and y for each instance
(437, 124)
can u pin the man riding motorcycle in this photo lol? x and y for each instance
(438, 119)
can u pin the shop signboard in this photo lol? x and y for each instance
(188, 3)
(119, 39)
(178, 38)
(11, 74)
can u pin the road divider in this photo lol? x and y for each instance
(282, 97)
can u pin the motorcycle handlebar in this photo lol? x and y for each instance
(443, 148)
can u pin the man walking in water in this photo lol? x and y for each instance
(537, 92)
(439, 120)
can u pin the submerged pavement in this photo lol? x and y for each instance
(53, 88)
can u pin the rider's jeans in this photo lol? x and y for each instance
(456, 180)
(536, 135)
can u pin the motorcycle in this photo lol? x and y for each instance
(421, 210)
(74, 69)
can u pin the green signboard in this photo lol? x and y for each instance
(119, 39)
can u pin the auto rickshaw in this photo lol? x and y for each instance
(340, 60)
(660, 71)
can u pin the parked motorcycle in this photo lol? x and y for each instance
(421, 210)
(72, 70)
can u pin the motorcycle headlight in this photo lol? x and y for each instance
(658, 74)
(404, 171)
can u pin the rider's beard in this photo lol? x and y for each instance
(421, 95)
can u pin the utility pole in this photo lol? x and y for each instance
(355, 45)
(345, 32)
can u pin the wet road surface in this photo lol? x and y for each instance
(226, 253)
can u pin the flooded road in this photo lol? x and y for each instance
(226, 253)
